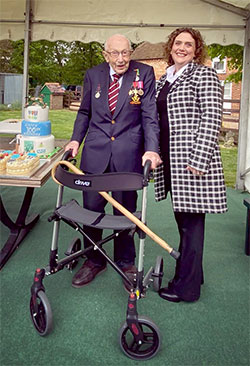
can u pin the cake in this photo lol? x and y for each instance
(12, 163)
(4, 157)
(36, 129)
(22, 164)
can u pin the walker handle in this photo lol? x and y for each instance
(147, 167)
(67, 154)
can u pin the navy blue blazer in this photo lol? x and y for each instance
(125, 136)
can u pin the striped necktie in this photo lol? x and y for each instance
(113, 93)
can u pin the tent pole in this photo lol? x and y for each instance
(244, 113)
(26, 55)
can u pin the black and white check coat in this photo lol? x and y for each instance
(194, 105)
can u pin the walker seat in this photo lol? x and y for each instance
(74, 212)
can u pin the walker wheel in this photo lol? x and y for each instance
(42, 320)
(74, 247)
(158, 274)
(150, 344)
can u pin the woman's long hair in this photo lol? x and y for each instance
(200, 46)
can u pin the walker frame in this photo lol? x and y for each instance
(139, 337)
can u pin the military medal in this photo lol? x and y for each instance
(135, 98)
(98, 91)
(137, 78)
(140, 86)
(136, 90)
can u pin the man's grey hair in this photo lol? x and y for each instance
(121, 35)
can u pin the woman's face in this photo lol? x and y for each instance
(183, 50)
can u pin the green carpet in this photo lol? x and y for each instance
(213, 331)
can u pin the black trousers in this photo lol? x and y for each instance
(124, 248)
(189, 272)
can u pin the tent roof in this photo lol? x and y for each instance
(140, 20)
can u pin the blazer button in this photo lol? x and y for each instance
(113, 121)
(112, 138)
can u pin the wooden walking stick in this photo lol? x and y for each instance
(175, 254)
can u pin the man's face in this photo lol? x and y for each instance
(117, 54)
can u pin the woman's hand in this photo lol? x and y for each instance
(194, 171)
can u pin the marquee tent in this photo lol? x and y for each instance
(223, 22)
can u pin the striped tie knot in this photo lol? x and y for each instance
(113, 93)
(116, 78)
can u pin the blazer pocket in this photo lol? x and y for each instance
(135, 137)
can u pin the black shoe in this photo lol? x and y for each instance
(130, 271)
(170, 283)
(167, 294)
(87, 273)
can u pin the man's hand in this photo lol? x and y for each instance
(74, 145)
(154, 157)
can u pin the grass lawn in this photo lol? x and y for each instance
(62, 122)
(229, 159)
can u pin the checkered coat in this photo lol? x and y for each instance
(194, 105)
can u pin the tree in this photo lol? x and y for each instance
(6, 51)
(234, 55)
(63, 62)
(81, 57)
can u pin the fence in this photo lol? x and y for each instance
(230, 120)
(70, 97)
(231, 116)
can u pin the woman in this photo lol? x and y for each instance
(189, 101)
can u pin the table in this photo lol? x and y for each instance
(23, 224)
(11, 126)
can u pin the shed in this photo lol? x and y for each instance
(11, 88)
(53, 95)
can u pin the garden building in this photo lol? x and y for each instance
(53, 95)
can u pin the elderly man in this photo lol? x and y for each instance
(118, 120)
